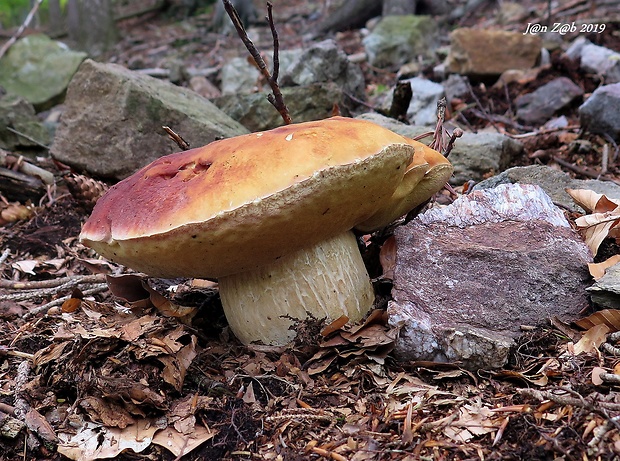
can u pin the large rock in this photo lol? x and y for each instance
(423, 106)
(39, 70)
(410, 131)
(606, 291)
(600, 114)
(540, 105)
(324, 62)
(112, 123)
(19, 114)
(595, 59)
(485, 53)
(239, 75)
(469, 275)
(396, 40)
(553, 182)
(305, 103)
(476, 156)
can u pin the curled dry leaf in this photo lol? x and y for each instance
(387, 257)
(604, 216)
(597, 270)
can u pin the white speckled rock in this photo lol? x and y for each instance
(470, 274)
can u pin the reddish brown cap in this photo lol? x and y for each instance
(242, 202)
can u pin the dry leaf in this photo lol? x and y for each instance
(71, 305)
(597, 270)
(180, 444)
(596, 375)
(387, 257)
(335, 325)
(595, 227)
(609, 317)
(592, 339)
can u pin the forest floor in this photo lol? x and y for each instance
(71, 351)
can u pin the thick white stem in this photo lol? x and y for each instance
(325, 281)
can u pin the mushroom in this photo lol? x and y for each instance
(270, 215)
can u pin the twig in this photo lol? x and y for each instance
(176, 137)
(542, 132)
(52, 283)
(97, 288)
(276, 98)
(564, 399)
(21, 29)
(574, 168)
(25, 136)
(5, 254)
(456, 133)
(437, 142)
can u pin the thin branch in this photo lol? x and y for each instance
(21, 29)
(276, 98)
(176, 137)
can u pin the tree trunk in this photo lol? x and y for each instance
(56, 22)
(91, 25)
(398, 7)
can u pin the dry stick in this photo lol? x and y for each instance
(52, 283)
(276, 98)
(176, 137)
(21, 29)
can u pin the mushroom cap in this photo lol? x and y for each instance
(243, 202)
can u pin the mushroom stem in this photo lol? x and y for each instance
(327, 281)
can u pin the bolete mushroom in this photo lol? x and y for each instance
(270, 216)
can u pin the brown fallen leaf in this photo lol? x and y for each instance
(387, 257)
(597, 270)
(592, 339)
(609, 317)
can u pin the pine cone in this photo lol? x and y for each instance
(86, 191)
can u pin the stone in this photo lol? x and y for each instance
(19, 114)
(423, 106)
(488, 53)
(470, 274)
(39, 70)
(605, 292)
(321, 63)
(540, 105)
(474, 155)
(553, 182)
(601, 61)
(397, 40)
(305, 103)
(600, 114)
(112, 124)
(477, 156)
(238, 75)
(456, 86)
(204, 87)
(410, 131)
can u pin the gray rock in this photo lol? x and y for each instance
(19, 114)
(600, 60)
(456, 86)
(39, 70)
(606, 291)
(470, 274)
(324, 62)
(476, 156)
(399, 39)
(410, 131)
(480, 52)
(305, 103)
(239, 76)
(553, 182)
(540, 105)
(600, 114)
(112, 122)
(423, 106)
